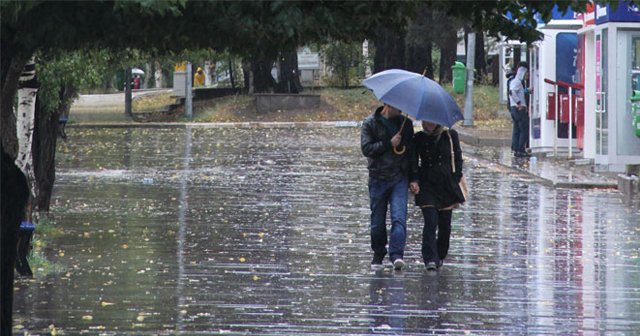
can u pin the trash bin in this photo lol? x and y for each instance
(459, 77)
(25, 234)
(635, 111)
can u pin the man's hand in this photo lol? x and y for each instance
(395, 141)
(414, 187)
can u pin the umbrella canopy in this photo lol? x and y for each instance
(416, 95)
(137, 71)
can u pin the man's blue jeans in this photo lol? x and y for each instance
(520, 133)
(381, 194)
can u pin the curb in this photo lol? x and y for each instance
(476, 141)
(549, 182)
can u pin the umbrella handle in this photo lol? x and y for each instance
(400, 151)
(396, 149)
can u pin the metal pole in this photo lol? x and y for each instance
(127, 93)
(570, 136)
(468, 98)
(188, 106)
(555, 123)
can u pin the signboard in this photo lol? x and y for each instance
(626, 12)
(308, 61)
(566, 54)
(598, 66)
(589, 17)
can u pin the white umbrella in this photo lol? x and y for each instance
(137, 71)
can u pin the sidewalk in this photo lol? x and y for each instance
(557, 172)
(104, 108)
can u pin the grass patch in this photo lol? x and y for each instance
(45, 228)
(226, 109)
(152, 102)
(336, 105)
(486, 101)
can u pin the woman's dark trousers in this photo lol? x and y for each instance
(435, 247)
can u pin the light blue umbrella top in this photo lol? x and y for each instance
(416, 95)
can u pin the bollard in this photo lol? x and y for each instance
(25, 234)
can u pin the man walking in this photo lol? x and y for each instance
(519, 113)
(386, 141)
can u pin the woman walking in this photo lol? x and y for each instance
(440, 168)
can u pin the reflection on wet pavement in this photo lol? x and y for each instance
(265, 231)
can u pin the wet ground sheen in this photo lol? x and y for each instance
(265, 231)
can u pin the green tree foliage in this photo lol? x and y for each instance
(342, 58)
(490, 15)
(75, 70)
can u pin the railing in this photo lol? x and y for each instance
(570, 87)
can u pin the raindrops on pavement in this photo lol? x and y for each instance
(261, 230)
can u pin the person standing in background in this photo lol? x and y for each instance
(519, 112)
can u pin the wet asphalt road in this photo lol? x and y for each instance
(265, 232)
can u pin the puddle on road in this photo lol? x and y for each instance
(248, 231)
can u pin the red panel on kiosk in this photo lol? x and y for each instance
(564, 108)
(563, 114)
(579, 118)
(551, 106)
(580, 121)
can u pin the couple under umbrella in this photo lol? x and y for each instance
(429, 163)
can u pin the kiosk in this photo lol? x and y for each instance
(611, 53)
(554, 104)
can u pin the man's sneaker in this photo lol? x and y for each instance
(431, 266)
(398, 264)
(376, 263)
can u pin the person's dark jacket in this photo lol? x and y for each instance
(438, 183)
(375, 141)
(15, 193)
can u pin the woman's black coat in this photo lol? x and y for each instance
(438, 183)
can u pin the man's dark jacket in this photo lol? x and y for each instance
(375, 141)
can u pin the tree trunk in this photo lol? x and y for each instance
(128, 97)
(419, 40)
(517, 57)
(25, 115)
(147, 75)
(365, 58)
(157, 75)
(480, 58)
(419, 58)
(289, 75)
(231, 75)
(248, 76)
(12, 67)
(390, 50)
(495, 70)
(44, 147)
(207, 73)
(260, 76)
(448, 48)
